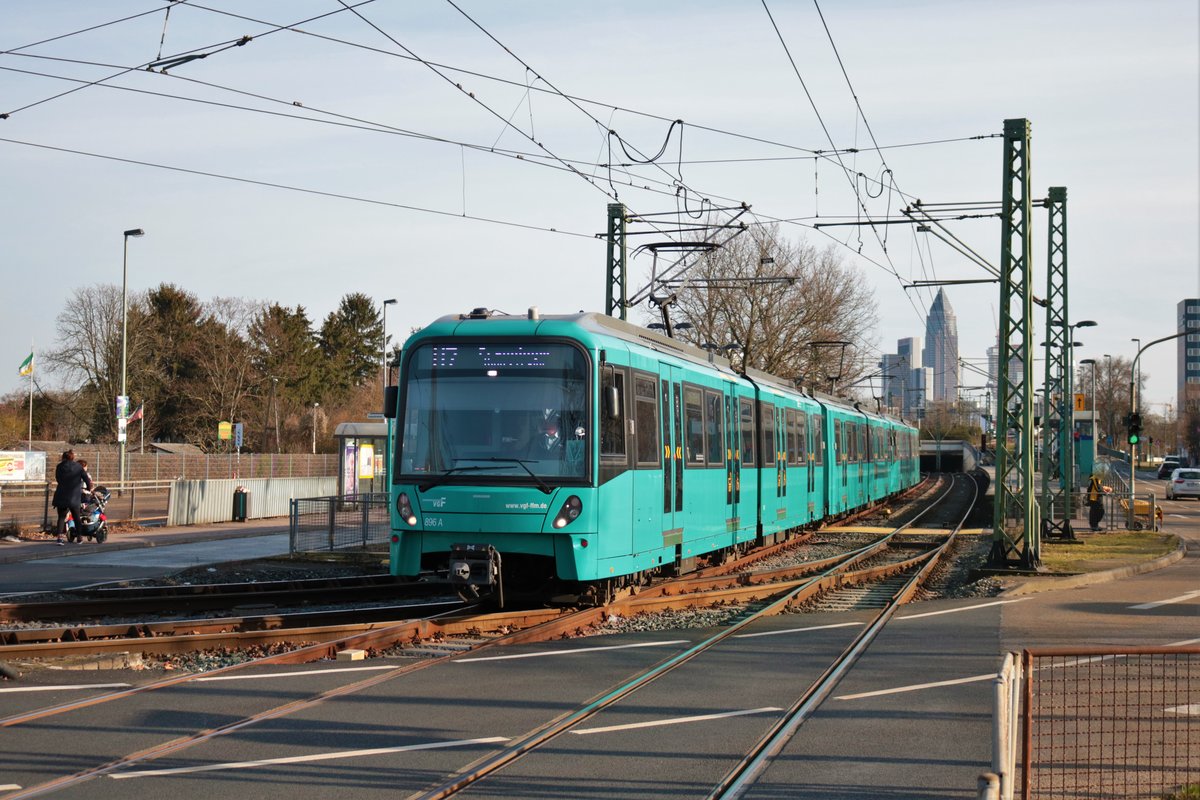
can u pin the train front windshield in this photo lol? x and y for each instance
(495, 412)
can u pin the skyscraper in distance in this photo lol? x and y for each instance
(941, 350)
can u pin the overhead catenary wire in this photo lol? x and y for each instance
(206, 51)
(631, 179)
(304, 190)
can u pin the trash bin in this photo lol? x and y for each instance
(240, 496)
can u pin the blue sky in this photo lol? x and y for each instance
(1110, 88)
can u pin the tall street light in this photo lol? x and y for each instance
(1108, 380)
(1138, 370)
(1095, 438)
(123, 412)
(314, 428)
(1134, 388)
(386, 303)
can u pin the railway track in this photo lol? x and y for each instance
(758, 759)
(448, 636)
(261, 624)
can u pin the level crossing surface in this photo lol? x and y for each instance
(911, 720)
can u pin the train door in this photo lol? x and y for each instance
(747, 493)
(671, 416)
(733, 460)
(647, 460)
(815, 457)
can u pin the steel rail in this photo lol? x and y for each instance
(564, 625)
(739, 779)
(480, 769)
(82, 609)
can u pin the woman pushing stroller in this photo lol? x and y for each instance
(71, 477)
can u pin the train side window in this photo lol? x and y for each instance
(693, 425)
(801, 438)
(714, 428)
(768, 435)
(612, 431)
(789, 424)
(746, 419)
(645, 414)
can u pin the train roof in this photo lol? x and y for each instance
(596, 322)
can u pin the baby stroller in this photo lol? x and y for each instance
(94, 524)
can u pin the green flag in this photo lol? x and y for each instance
(26, 366)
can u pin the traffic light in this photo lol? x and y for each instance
(1135, 428)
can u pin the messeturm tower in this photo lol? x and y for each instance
(941, 350)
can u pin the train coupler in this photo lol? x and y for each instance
(475, 570)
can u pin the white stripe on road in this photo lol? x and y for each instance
(67, 687)
(964, 608)
(570, 652)
(916, 687)
(798, 630)
(4, 787)
(977, 678)
(266, 762)
(675, 721)
(298, 674)
(1190, 710)
(1181, 598)
(910, 616)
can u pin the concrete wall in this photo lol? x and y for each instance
(205, 501)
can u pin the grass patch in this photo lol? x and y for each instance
(1191, 792)
(1100, 551)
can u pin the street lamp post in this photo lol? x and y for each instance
(124, 412)
(1108, 382)
(1134, 389)
(1095, 438)
(314, 428)
(386, 303)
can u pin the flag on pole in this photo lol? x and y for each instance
(137, 414)
(26, 366)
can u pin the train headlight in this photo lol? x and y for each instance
(404, 509)
(569, 512)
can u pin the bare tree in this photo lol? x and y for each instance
(225, 378)
(88, 352)
(775, 301)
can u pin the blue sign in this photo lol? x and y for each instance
(237, 435)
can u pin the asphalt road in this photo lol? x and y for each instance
(912, 720)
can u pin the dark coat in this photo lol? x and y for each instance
(70, 477)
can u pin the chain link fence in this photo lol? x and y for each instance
(327, 524)
(1098, 723)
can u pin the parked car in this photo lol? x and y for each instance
(1167, 468)
(1185, 482)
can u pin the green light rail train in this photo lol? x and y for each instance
(568, 457)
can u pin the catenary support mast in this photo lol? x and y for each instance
(1058, 444)
(1016, 539)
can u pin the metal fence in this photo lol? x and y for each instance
(163, 467)
(205, 501)
(1099, 722)
(339, 523)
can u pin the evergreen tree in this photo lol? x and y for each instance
(352, 340)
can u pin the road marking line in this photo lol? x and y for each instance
(4, 787)
(1181, 598)
(298, 673)
(798, 630)
(266, 762)
(918, 686)
(570, 652)
(1190, 710)
(67, 687)
(676, 721)
(1184, 643)
(964, 608)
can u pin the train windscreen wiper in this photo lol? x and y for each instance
(441, 477)
(540, 483)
